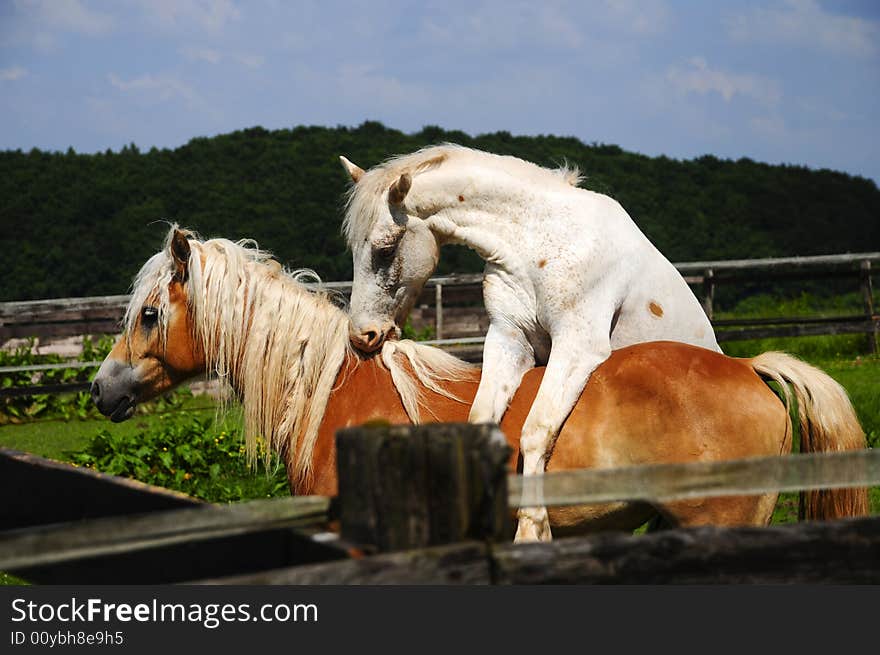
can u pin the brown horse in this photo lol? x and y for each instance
(225, 308)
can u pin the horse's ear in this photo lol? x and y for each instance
(399, 189)
(180, 253)
(354, 171)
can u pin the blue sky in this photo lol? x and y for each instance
(781, 81)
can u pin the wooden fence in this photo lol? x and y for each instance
(429, 504)
(452, 305)
(451, 308)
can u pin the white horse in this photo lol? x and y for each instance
(568, 277)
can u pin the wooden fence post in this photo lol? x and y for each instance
(403, 487)
(708, 291)
(868, 298)
(438, 311)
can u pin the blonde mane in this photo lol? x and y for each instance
(366, 200)
(278, 343)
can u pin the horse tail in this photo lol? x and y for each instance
(828, 423)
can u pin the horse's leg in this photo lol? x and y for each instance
(507, 355)
(571, 362)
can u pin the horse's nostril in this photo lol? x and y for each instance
(368, 340)
(95, 390)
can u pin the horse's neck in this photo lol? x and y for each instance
(472, 194)
(484, 209)
(364, 392)
(282, 360)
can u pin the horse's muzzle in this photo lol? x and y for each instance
(112, 391)
(372, 338)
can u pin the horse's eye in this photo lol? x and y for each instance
(149, 317)
(386, 252)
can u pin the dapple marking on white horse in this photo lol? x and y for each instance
(568, 277)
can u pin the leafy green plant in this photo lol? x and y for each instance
(184, 452)
(66, 406)
(409, 332)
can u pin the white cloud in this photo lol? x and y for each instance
(201, 54)
(162, 87)
(643, 17)
(557, 27)
(805, 23)
(211, 56)
(12, 74)
(208, 15)
(67, 15)
(250, 61)
(513, 26)
(363, 80)
(769, 126)
(697, 77)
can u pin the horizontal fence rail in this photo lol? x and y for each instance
(667, 482)
(778, 262)
(48, 367)
(111, 535)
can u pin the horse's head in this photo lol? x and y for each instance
(394, 253)
(157, 349)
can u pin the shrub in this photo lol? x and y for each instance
(184, 452)
(66, 406)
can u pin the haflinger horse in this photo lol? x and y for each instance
(228, 310)
(569, 277)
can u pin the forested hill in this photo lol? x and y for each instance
(79, 225)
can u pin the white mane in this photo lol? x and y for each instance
(279, 344)
(366, 199)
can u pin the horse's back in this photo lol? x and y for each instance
(663, 402)
(592, 251)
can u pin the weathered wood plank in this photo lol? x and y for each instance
(788, 320)
(665, 482)
(59, 329)
(461, 564)
(709, 292)
(777, 262)
(411, 486)
(867, 289)
(29, 311)
(759, 275)
(804, 330)
(51, 544)
(176, 562)
(37, 491)
(37, 389)
(832, 552)
(47, 367)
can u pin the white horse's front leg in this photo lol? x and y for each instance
(568, 371)
(507, 355)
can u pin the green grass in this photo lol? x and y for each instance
(7, 579)
(59, 440)
(231, 481)
(861, 379)
(816, 349)
(54, 438)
